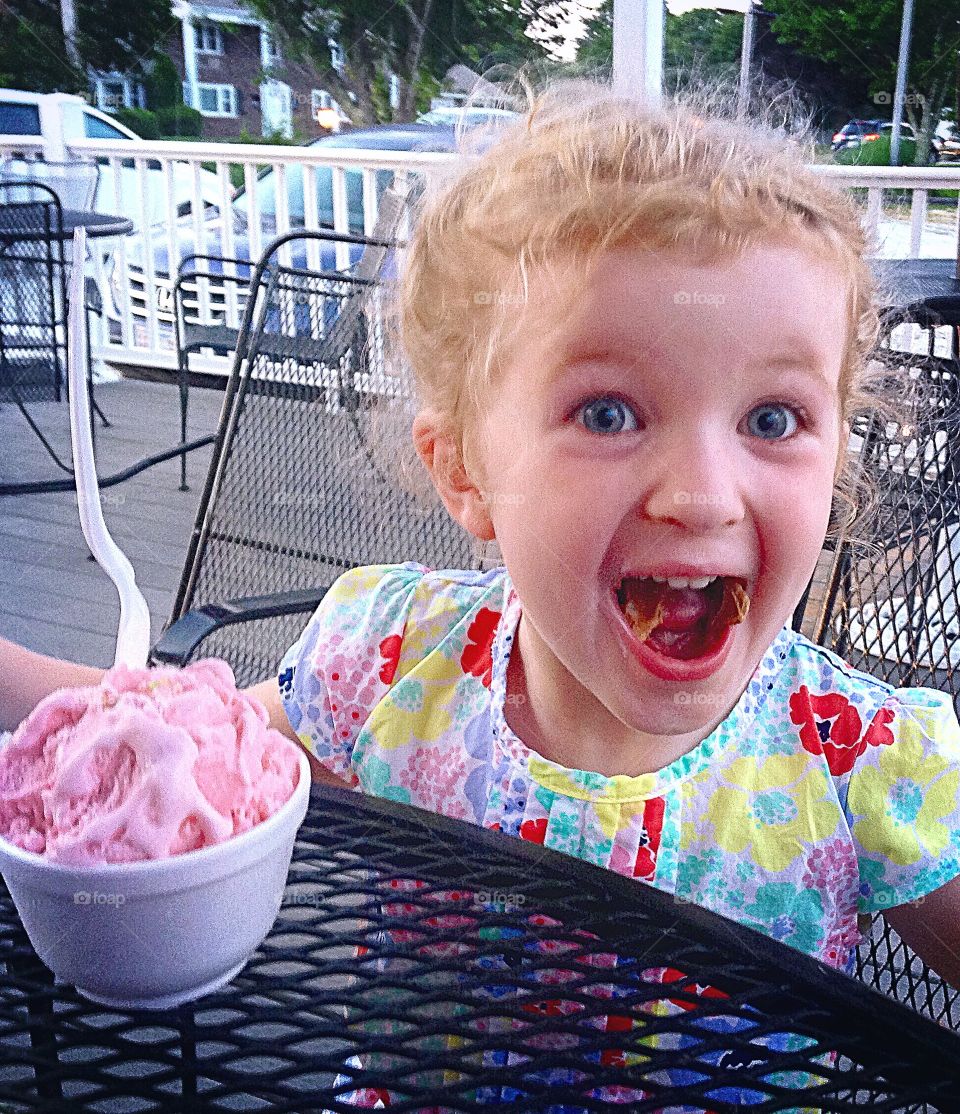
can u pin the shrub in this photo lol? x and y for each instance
(180, 122)
(164, 88)
(140, 120)
(877, 153)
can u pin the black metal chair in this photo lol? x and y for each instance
(891, 608)
(33, 300)
(209, 297)
(296, 492)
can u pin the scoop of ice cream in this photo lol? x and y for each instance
(147, 764)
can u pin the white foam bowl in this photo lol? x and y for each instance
(152, 935)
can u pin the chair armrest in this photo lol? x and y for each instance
(182, 637)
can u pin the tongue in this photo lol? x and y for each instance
(682, 608)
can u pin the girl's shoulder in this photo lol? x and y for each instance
(845, 709)
(379, 595)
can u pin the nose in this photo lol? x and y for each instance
(695, 482)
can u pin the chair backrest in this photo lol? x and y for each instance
(33, 318)
(894, 610)
(300, 488)
(74, 182)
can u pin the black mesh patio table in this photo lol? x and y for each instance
(447, 967)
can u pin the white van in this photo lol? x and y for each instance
(43, 124)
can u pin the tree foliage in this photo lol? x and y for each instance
(416, 40)
(863, 37)
(110, 36)
(701, 44)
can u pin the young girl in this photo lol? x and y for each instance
(638, 338)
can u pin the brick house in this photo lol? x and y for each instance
(233, 74)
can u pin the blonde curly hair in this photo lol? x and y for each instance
(586, 170)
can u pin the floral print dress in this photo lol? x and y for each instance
(823, 796)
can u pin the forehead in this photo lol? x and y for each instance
(634, 300)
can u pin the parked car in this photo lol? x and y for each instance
(946, 141)
(852, 133)
(391, 137)
(52, 120)
(453, 116)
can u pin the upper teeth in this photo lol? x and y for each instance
(684, 581)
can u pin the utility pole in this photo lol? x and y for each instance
(903, 60)
(746, 54)
(638, 47)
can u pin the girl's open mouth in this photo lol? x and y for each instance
(686, 622)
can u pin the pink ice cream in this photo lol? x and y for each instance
(148, 764)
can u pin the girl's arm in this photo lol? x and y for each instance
(268, 693)
(26, 678)
(931, 926)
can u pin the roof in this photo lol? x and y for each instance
(218, 11)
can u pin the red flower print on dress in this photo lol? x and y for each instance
(390, 652)
(534, 831)
(477, 656)
(878, 734)
(830, 725)
(646, 863)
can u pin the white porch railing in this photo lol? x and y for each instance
(150, 183)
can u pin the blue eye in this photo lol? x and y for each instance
(607, 416)
(773, 421)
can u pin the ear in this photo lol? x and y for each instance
(439, 450)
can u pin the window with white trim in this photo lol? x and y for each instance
(337, 58)
(320, 98)
(217, 100)
(269, 50)
(111, 94)
(209, 38)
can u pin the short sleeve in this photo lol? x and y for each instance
(345, 659)
(903, 799)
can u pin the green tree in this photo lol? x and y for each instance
(863, 36)
(416, 40)
(701, 44)
(110, 36)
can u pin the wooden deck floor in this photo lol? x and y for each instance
(53, 597)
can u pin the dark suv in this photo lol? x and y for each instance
(853, 133)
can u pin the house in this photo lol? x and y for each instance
(233, 74)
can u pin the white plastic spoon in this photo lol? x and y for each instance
(133, 636)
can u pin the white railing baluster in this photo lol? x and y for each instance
(231, 312)
(250, 173)
(149, 272)
(311, 214)
(173, 237)
(874, 211)
(124, 309)
(918, 214)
